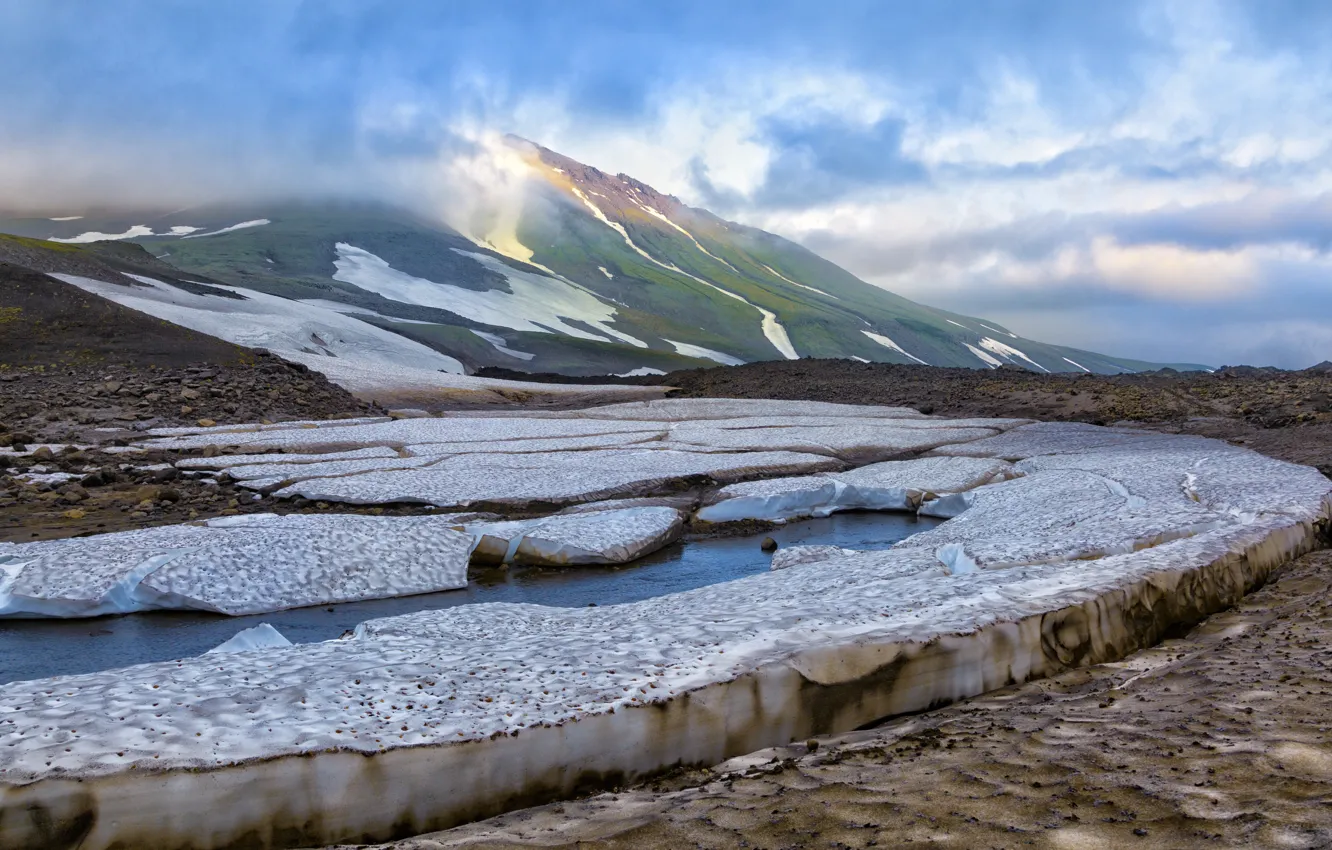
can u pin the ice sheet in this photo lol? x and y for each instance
(1041, 572)
(237, 565)
(602, 537)
(692, 409)
(555, 478)
(888, 486)
(406, 432)
(225, 461)
(850, 442)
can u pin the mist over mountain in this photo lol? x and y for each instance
(541, 264)
(1149, 179)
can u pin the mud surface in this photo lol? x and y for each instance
(1216, 739)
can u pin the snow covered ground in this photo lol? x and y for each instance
(1072, 545)
(292, 329)
(332, 340)
(534, 302)
(234, 565)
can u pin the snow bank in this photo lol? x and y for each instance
(235, 565)
(888, 486)
(521, 480)
(600, 537)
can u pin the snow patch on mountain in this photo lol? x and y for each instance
(537, 303)
(97, 236)
(989, 360)
(353, 310)
(641, 371)
(1075, 363)
(801, 285)
(65, 218)
(258, 222)
(771, 327)
(1008, 352)
(500, 345)
(996, 330)
(288, 328)
(662, 216)
(889, 344)
(706, 353)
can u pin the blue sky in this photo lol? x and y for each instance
(1150, 180)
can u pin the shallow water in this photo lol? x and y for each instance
(32, 649)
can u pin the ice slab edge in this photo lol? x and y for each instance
(341, 796)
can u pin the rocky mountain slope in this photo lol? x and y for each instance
(580, 273)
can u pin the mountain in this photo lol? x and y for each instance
(581, 273)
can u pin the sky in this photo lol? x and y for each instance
(1150, 180)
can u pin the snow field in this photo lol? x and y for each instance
(235, 565)
(446, 714)
(535, 302)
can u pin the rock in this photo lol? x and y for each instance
(186, 410)
(74, 493)
(188, 394)
(169, 494)
(768, 545)
(112, 386)
(148, 493)
(43, 453)
(74, 513)
(211, 451)
(205, 423)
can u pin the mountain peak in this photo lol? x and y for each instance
(584, 273)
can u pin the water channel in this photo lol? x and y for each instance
(32, 649)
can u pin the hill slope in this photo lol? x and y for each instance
(588, 274)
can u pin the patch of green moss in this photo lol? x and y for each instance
(43, 244)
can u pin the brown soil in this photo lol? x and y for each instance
(1261, 397)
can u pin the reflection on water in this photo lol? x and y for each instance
(31, 649)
